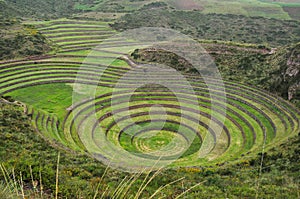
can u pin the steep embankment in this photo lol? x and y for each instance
(285, 79)
(275, 70)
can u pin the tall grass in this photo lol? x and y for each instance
(13, 186)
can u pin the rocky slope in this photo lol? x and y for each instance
(276, 70)
(285, 79)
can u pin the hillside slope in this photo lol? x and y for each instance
(285, 79)
(37, 9)
(277, 72)
(54, 8)
(225, 27)
(18, 40)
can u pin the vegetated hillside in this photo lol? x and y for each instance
(277, 73)
(285, 79)
(21, 148)
(81, 177)
(55, 8)
(292, 7)
(228, 27)
(18, 40)
(37, 8)
(237, 7)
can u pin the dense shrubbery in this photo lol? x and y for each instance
(38, 8)
(154, 5)
(216, 27)
(18, 40)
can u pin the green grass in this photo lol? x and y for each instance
(227, 124)
(79, 6)
(53, 30)
(80, 53)
(38, 97)
(77, 25)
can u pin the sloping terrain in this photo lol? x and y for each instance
(55, 9)
(37, 8)
(225, 27)
(18, 40)
(275, 70)
(286, 74)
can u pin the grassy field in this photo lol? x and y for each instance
(56, 103)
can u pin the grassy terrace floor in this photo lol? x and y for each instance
(73, 35)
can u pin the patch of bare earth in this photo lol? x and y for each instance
(294, 12)
(187, 5)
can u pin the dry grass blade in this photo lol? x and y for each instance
(57, 170)
(4, 173)
(103, 194)
(41, 183)
(22, 186)
(15, 181)
(162, 187)
(132, 180)
(143, 187)
(189, 189)
(260, 170)
(97, 189)
(120, 187)
(12, 185)
(31, 176)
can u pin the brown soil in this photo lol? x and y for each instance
(187, 5)
(294, 12)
